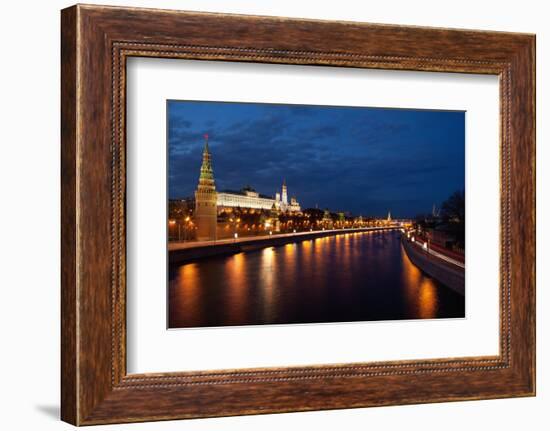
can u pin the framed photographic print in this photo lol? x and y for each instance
(324, 245)
(268, 215)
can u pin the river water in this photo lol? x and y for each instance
(348, 277)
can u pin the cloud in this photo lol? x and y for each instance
(336, 157)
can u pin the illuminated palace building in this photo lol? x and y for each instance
(209, 203)
(249, 198)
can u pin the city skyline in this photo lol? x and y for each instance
(362, 160)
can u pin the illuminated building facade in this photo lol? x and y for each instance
(281, 201)
(327, 220)
(246, 198)
(249, 198)
(276, 223)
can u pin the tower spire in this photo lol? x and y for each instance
(206, 167)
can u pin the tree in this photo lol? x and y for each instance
(453, 209)
(179, 209)
(453, 212)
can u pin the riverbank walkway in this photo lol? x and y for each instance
(439, 252)
(442, 267)
(299, 236)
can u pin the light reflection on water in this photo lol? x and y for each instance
(237, 286)
(267, 281)
(421, 290)
(349, 277)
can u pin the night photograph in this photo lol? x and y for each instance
(296, 214)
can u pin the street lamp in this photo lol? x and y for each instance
(170, 223)
(185, 227)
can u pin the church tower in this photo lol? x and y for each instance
(284, 195)
(327, 220)
(206, 213)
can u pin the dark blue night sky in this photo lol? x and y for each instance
(364, 160)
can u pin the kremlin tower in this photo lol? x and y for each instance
(284, 195)
(206, 199)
